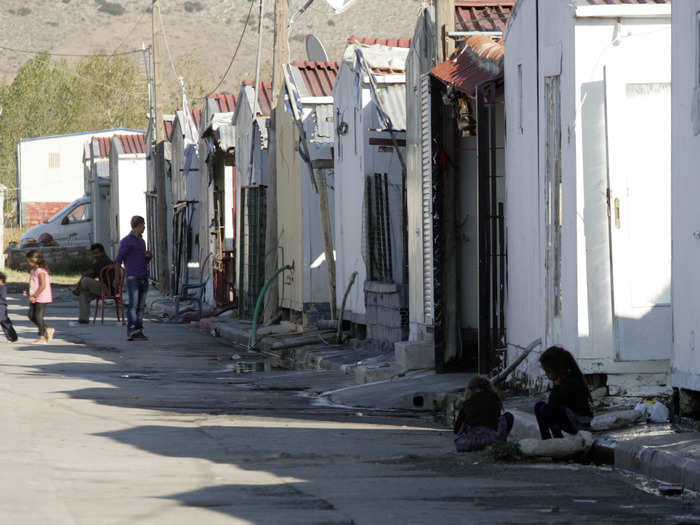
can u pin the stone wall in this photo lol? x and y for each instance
(54, 255)
(387, 317)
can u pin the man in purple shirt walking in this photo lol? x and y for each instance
(133, 253)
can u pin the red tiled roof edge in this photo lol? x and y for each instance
(133, 144)
(389, 42)
(319, 77)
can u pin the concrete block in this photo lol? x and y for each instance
(370, 374)
(414, 355)
(557, 448)
(524, 425)
(641, 391)
(637, 380)
(617, 419)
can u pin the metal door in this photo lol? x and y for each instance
(638, 107)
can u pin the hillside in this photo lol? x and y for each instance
(201, 34)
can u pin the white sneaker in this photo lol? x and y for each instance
(49, 333)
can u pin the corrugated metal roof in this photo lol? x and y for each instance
(382, 60)
(393, 98)
(390, 42)
(482, 15)
(168, 126)
(101, 146)
(132, 144)
(196, 116)
(480, 60)
(319, 77)
(264, 95)
(225, 102)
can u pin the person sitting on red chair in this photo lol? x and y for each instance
(89, 287)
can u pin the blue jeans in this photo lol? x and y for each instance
(136, 288)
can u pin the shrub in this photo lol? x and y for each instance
(505, 451)
(23, 11)
(193, 7)
(111, 8)
(66, 1)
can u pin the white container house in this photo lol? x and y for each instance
(369, 155)
(50, 172)
(309, 87)
(217, 146)
(98, 188)
(252, 156)
(588, 182)
(127, 167)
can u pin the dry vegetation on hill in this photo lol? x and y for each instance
(201, 33)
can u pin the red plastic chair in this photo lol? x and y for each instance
(107, 275)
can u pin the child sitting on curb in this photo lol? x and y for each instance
(568, 408)
(480, 422)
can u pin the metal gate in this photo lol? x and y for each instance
(253, 226)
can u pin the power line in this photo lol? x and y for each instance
(128, 34)
(167, 47)
(36, 52)
(238, 46)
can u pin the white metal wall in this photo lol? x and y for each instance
(576, 50)
(349, 190)
(525, 299)
(685, 365)
(129, 187)
(421, 58)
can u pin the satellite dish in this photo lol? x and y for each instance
(315, 51)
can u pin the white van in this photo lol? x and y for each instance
(72, 226)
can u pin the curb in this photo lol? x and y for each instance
(670, 458)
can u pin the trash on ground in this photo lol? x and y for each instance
(655, 411)
(244, 367)
(235, 356)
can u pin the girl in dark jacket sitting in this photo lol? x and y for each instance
(568, 408)
(479, 422)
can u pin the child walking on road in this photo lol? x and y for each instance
(39, 295)
(568, 408)
(480, 422)
(5, 322)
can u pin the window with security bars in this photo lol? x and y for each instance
(378, 228)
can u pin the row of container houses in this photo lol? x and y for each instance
(503, 177)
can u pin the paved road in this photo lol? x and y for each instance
(98, 430)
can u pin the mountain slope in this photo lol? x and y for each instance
(201, 34)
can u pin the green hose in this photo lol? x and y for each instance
(258, 305)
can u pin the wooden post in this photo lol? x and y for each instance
(279, 57)
(327, 239)
(157, 35)
(445, 22)
(162, 218)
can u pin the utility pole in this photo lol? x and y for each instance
(280, 56)
(157, 35)
(445, 22)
